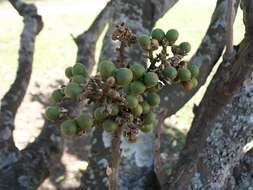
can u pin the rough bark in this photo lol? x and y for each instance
(136, 169)
(214, 143)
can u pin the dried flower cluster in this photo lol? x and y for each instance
(125, 95)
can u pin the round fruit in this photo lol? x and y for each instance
(150, 79)
(185, 47)
(68, 127)
(137, 111)
(158, 34)
(149, 118)
(137, 87)
(170, 72)
(52, 113)
(115, 109)
(132, 101)
(79, 69)
(188, 85)
(123, 76)
(100, 114)
(145, 107)
(56, 96)
(78, 79)
(184, 74)
(138, 70)
(109, 125)
(194, 82)
(146, 128)
(68, 72)
(172, 35)
(144, 42)
(153, 99)
(72, 90)
(106, 69)
(84, 121)
(194, 69)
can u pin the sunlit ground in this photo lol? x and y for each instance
(55, 50)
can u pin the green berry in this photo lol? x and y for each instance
(144, 42)
(78, 79)
(109, 125)
(100, 114)
(79, 69)
(158, 34)
(68, 72)
(150, 79)
(68, 127)
(184, 74)
(170, 72)
(106, 69)
(146, 128)
(172, 35)
(52, 113)
(84, 121)
(72, 90)
(137, 87)
(145, 107)
(149, 118)
(115, 109)
(123, 76)
(137, 111)
(194, 69)
(185, 47)
(194, 82)
(138, 70)
(56, 96)
(153, 99)
(132, 101)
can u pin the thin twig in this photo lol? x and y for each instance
(229, 36)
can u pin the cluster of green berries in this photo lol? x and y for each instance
(124, 96)
(173, 70)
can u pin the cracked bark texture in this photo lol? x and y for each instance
(223, 122)
(136, 169)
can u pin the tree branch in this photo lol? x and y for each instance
(228, 79)
(173, 97)
(86, 42)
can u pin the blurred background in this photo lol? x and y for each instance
(55, 50)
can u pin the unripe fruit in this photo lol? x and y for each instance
(137, 87)
(132, 101)
(68, 72)
(100, 114)
(194, 82)
(106, 69)
(145, 107)
(146, 128)
(184, 74)
(52, 113)
(170, 72)
(194, 69)
(188, 85)
(138, 70)
(137, 111)
(84, 121)
(56, 96)
(149, 118)
(185, 47)
(79, 69)
(72, 90)
(115, 109)
(153, 89)
(172, 35)
(153, 99)
(150, 79)
(123, 76)
(158, 34)
(68, 127)
(109, 125)
(78, 79)
(144, 42)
